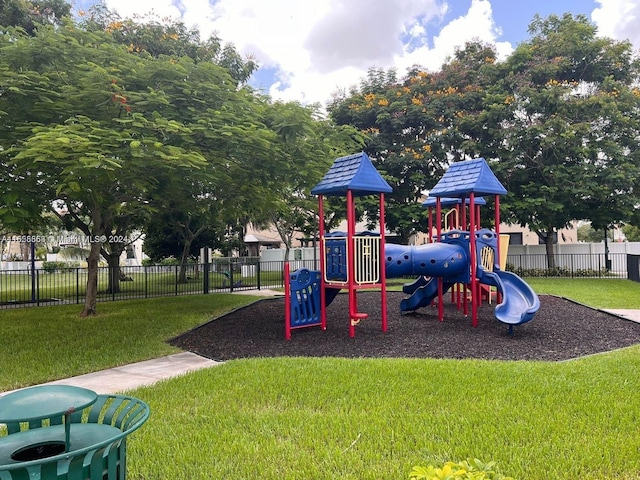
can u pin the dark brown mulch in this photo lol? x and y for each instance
(560, 330)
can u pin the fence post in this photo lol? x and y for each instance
(572, 265)
(230, 275)
(599, 265)
(33, 273)
(77, 284)
(258, 274)
(37, 272)
(205, 267)
(176, 280)
(146, 281)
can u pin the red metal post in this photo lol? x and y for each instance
(353, 300)
(383, 269)
(438, 233)
(472, 242)
(287, 302)
(323, 266)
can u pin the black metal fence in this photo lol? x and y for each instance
(68, 285)
(569, 265)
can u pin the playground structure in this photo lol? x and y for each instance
(462, 256)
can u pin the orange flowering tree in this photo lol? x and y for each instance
(416, 125)
(570, 143)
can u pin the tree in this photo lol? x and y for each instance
(631, 232)
(27, 15)
(304, 149)
(150, 35)
(586, 233)
(163, 240)
(570, 133)
(101, 169)
(415, 127)
(163, 38)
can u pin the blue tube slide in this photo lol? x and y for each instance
(448, 261)
(431, 260)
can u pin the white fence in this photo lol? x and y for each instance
(578, 248)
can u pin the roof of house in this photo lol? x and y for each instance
(470, 176)
(253, 238)
(353, 173)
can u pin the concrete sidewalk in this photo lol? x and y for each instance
(633, 315)
(127, 377)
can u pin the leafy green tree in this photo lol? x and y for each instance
(200, 103)
(100, 165)
(416, 126)
(162, 239)
(586, 233)
(304, 150)
(151, 35)
(570, 138)
(27, 15)
(631, 232)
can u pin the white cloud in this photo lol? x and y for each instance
(618, 19)
(476, 24)
(363, 33)
(320, 46)
(128, 8)
(327, 45)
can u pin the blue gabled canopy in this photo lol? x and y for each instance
(448, 201)
(353, 173)
(470, 176)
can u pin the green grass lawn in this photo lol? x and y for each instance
(305, 418)
(40, 344)
(311, 418)
(595, 292)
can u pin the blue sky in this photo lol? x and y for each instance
(513, 17)
(309, 50)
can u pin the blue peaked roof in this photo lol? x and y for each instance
(448, 201)
(470, 176)
(355, 173)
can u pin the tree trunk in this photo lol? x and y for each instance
(91, 295)
(113, 261)
(548, 243)
(182, 277)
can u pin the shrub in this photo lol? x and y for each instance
(51, 267)
(470, 469)
(540, 272)
(168, 261)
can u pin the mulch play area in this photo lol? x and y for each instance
(561, 330)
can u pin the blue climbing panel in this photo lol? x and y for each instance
(336, 256)
(305, 298)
